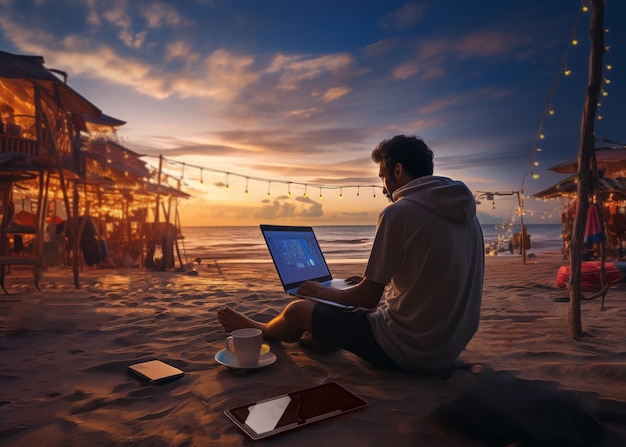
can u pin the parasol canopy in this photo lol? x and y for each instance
(610, 160)
(567, 187)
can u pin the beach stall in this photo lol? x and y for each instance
(39, 136)
(609, 223)
(88, 198)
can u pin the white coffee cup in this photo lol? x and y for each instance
(246, 345)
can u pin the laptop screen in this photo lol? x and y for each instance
(296, 254)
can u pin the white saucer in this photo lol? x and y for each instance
(228, 359)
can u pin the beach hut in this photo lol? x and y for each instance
(608, 190)
(40, 134)
(61, 163)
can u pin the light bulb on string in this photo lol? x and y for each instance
(246, 191)
(550, 109)
(227, 184)
(536, 163)
(289, 189)
(269, 185)
(567, 71)
(182, 171)
(357, 191)
(541, 135)
(341, 192)
(607, 81)
(574, 41)
(201, 177)
(605, 93)
(585, 8)
(534, 176)
(374, 189)
(320, 193)
(538, 149)
(305, 196)
(609, 67)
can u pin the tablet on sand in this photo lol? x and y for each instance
(294, 410)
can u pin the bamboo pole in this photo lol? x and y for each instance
(585, 154)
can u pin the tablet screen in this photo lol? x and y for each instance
(294, 410)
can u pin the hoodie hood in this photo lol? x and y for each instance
(441, 195)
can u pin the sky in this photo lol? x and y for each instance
(267, 112)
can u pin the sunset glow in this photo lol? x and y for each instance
(290, 99)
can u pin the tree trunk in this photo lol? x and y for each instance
(585, 153)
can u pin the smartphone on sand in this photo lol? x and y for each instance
(294, 410)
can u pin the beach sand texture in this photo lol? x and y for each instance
(64, 354)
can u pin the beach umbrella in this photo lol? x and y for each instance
(611, 162)
(615, 187)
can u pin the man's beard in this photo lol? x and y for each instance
(386, 193)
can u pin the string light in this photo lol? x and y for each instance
(182, 171)
(228, 174)
(548, 109)
(357, 191)
(269, 184)
(374, 192)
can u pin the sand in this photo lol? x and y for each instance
(65, 351)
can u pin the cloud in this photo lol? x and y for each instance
(335, 93)
(405, 17)
(311, 209)
(159, 14)
(179, 49)
(295, 69)
(275, 209)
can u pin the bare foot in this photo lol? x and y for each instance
(231, 320)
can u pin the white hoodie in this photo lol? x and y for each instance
(429, 249)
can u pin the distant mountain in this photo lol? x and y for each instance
(487, 219)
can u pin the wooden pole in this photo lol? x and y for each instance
(585, 153)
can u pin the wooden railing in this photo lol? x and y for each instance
(9, 143)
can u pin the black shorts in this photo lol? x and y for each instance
(349, 330)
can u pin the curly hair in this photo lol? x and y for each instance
(410, 151)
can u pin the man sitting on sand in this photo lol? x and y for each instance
(427, 260)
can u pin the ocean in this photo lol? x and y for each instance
(340, 244)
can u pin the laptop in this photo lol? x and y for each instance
(298, 258)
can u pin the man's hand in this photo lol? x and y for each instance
(311, 288)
